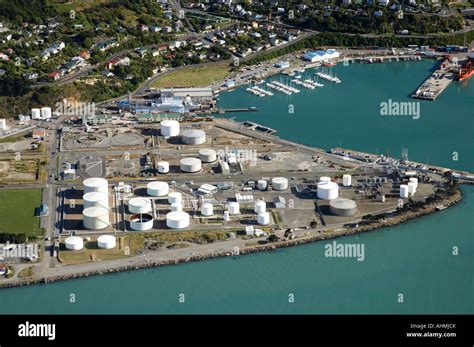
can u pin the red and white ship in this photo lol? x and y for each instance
(467, 68)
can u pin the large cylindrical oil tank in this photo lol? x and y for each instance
(263, 218)
(177, 220)
(404, 191)
(327, 190)
(139, 205)
(346, 180)
(411, 187)
(96, 184)
(95, 218)
(157, 188)
(163, 167)
(74, 243)
(169, 128)
(260, 206)
(190, 165)
(343, 207)
(207, 209)
(141, 221)
(207, 155)
(279, 183)
(234, 207)
(106, 242)
(193, 137)
(262, 184)
(35, 113)
(96, 199)
(175, 197)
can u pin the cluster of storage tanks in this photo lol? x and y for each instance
(43, 113)
(96, 203)
(326, 189)
(76, 243)
(409, 188)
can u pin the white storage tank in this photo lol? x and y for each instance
(175, 197)
(169, 128)
(343, 207)
(404, 191)
(95, 218)
(106, 242)
(207, 155)
(327, 190)
(346, 180)
(74, 243)
(45, 112)
(226, 216)
(176, 206)
(157, 188)
(190, 165)
(324, 179)
(163, 167)
(414, 180)
(411, 187)
(35, 113)
(193, 137)
(263, 218)
(233, 207)
(207, 209)
(139, 205)
(95, 199)
(260, 206)
(177, 220)
(96, 184)
(279, 183)
(262, 184)
(141, 221)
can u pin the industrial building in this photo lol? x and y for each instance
(321, 56)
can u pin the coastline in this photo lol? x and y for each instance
(396, 220)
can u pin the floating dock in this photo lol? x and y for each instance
(437, 82)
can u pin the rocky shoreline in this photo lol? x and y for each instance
(399, 219)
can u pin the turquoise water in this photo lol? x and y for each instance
(414, 259)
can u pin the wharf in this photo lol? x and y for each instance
(437, 82)
(243, 109)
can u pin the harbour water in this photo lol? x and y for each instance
(414, 259)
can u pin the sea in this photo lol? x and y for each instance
(420, 267)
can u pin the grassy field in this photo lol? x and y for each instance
(17, 211)
(193, 76)
(126, 246)
(200, 237)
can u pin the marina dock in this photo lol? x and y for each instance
(242, 109)
(437, 82)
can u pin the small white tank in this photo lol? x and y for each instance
(279, 183)
(46, 112)
(404, 191)
(262, 184)
(175, 197)
(190, 165)
(157, 188)
(263, 218)
(226, 216)
(74, 243)
(233, 207)
(106, 242)
(260, 206)
(346, 180)
(176, 206)
(325, 179)
(411, 188)
(327, 190)
(414, 180)
(163, 167)
(35, 113)
(207, 155)
(207, 209)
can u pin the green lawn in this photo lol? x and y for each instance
(193, 76)
(17, 211)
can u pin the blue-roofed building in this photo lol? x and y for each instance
(321, 56)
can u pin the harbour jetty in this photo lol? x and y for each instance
(437, 82)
